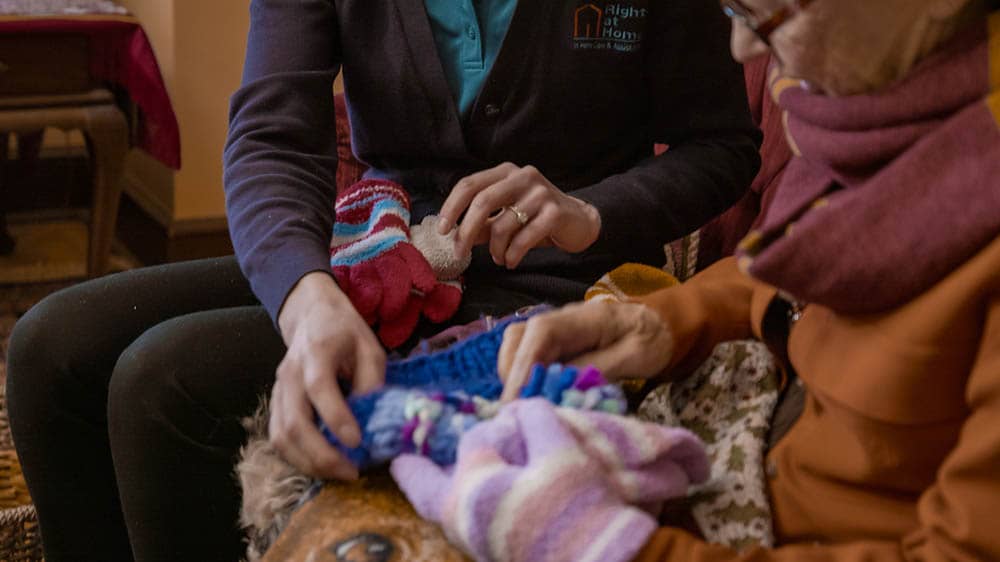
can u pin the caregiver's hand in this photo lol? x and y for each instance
(620, 339)
(326, 339)
(514, 209)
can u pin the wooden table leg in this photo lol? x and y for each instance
(105, 128)
(107, 135)
(7, 242)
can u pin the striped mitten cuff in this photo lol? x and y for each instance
(387, 279)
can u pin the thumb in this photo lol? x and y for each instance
(424, 483)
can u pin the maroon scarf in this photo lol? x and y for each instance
(889, 192)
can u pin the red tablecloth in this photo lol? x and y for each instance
(120, 53)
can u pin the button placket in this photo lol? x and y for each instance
(473, 49)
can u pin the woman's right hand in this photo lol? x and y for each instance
(621, 339)
(326, 339)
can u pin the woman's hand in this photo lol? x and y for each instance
(326, 339)
(620, 339)
(516, 209)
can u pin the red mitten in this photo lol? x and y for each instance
(395, 330)
(442, 301)
(387, 279)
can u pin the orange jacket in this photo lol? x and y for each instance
(896, 455)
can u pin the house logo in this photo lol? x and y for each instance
(587, 22)
(617, 26)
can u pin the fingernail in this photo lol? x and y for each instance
(513, 260)
(349, 434)
(444, 225)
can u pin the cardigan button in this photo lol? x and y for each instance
(491, 110)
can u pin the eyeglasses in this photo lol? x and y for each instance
(762, 27)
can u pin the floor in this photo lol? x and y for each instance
(52, 247)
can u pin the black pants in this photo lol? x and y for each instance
(125, 395)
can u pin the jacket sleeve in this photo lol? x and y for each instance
(699, 108)
(281, 156)
(957, 514)
(718, 304)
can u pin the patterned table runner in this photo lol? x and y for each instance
(47, 7)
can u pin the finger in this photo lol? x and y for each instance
(532, 235)
(369, 366)
(536, 346)
(615, 362)
(299, 441)
(323, 393)
(508, 347)
(514, 383)
(465, 190)
(486, 203)
(555, 336)
(423, 482)
(274, 410)
(501, 230)
(530, 350)
(527, 355)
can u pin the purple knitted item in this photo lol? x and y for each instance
(545, 483)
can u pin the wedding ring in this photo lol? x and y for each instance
(520, 215)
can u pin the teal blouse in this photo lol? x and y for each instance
(468, 34)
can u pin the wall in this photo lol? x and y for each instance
(209, 44)
(157, 17)
(146, 180)
(200, 47)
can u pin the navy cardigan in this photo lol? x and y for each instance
(581, 89)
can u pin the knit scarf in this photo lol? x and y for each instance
(888, 192)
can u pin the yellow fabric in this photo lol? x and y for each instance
(993, 101)
(780, 83)
(629, 281)
(994, 33)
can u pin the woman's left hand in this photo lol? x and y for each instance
(515, 209)
(620, 339)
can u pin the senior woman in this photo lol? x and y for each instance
(875, 275)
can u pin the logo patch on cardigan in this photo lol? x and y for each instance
(617, 26)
